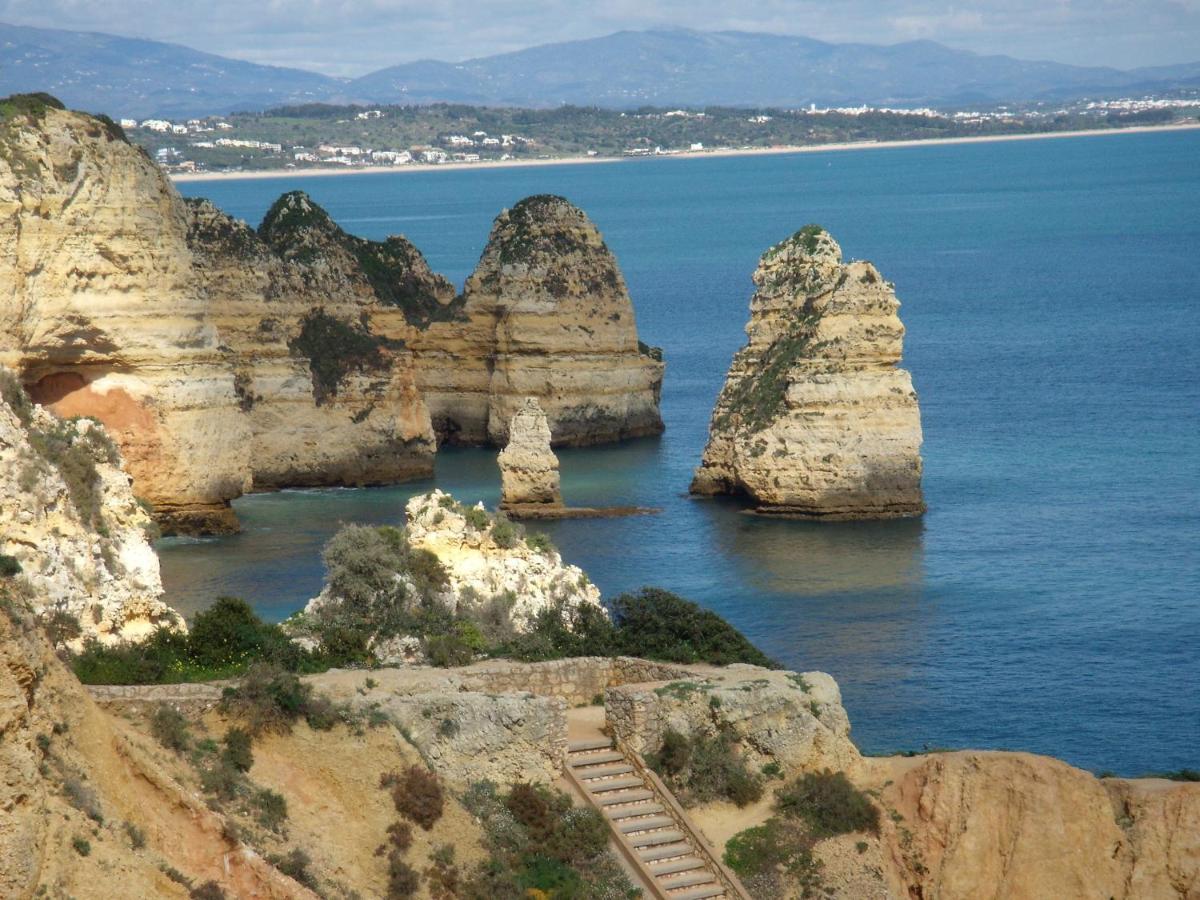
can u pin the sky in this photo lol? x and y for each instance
(352, 37)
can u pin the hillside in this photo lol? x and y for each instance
(675, 67)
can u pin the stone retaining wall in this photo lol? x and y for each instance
(579, 681)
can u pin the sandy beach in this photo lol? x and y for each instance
(697, 154)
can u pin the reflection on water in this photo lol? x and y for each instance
(804, 558)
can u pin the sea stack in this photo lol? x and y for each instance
(545, 314)
(816, 420)
(528, 467)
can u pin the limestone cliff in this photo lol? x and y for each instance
(815, 418)
(547, 315)
(327, 398)
(528, 467)
(70, 521)
(218, 359)
(101, 315)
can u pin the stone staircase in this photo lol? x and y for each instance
(649, 825)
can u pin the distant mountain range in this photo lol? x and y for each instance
(676, 67)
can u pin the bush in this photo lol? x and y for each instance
(210, 890)
(477, 517)
(268, 699)
(237, 752)
(828, 803)
(417, 795)
(229, 632)
(82, 846)
(137, 837)
(295, 865)
(9, 566)
(400, 836)
(539, 542)
(83, 798)
(505, 533)
(221, 780)
(403, 880)
(459, 647)
(272, 808)
(61, 627)
(656, 624)
(704, 768)
(170, 728)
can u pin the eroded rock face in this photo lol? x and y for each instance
(547, 316)
(795, 720)
(528, 467)
(69, 518)
(217, 358)
(815, 418)
(974, 824)
(484, 568)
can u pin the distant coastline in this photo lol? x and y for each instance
(698, 154)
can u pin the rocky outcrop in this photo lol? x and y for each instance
(547, 315)
(974, 825)
(489, 561)
(528, 467)
(796, 721)
(815, 418)
(70, 521)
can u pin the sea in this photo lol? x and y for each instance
(1049, 600)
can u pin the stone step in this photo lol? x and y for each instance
(701, 893)
(655, 854)
(604, 771)
(656, 838)
(579, 760)
(586, 744)
(630, 826)
(626, 812)
(694, 878)
(675, 866)
(619, 798)
(615, 784)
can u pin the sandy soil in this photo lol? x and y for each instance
(580, 160)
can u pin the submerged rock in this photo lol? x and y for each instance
(528, 467)
(815, 418)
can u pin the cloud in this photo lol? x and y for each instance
(350, 37)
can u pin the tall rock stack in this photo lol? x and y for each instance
(547, 316)
(528, 467)
(816, 420)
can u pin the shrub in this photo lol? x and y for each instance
(83, 798)
(295, 865)
(268, 699)
(417, 795)
(458, 647)
(334, 350)
(403, 880)
(505, 533)
(237, 752)
(656, 624)
(221, 780)
(9, 566)
(581, 835)
(828, 803)
(477, 517)
(705, 768)
(210, 890)
(400, 836)
(539, 542)
(137, 837)
(226, 632)
(170, 728)
(82, 846)
(272, 808)
(61, 627)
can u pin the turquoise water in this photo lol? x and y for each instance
(1050, 599)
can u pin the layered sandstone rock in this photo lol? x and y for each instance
(547, 316)
(101, 314)
(815, 418)
(218, 359)
(528, 467)
(328, 399)
(975, 825)
(70, 520)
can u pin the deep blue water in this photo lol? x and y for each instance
(1050, 599)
